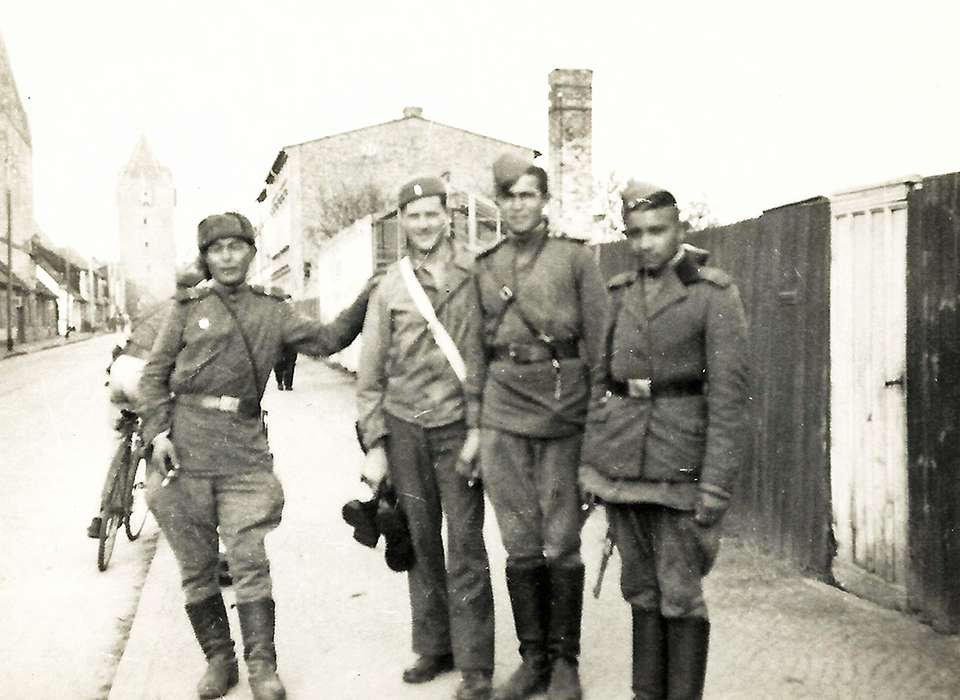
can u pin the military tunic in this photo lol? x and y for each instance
(648, 458)
(226, 478)
(533, 408)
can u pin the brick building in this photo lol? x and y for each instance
(316, 188)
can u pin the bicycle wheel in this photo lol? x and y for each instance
(136, 512)
(108, 537)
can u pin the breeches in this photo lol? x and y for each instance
(451, 600)
(532, 483)
(245, 507)
(664, 555)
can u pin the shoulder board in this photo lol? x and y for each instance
(716, 276)
(191, 294)
(489, 249)
(622, 280)
(565, 237)
(274, 292)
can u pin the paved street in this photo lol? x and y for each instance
(63, 621)
(343, 628)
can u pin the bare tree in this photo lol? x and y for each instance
(341, 205)
(696, 216)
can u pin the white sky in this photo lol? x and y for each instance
(748, 105)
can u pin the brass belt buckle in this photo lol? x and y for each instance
(639, 388)
(230, 404)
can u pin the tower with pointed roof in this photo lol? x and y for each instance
(146, 200)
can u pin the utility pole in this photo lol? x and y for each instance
(9, 273)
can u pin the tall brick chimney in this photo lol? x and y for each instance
(571, 151)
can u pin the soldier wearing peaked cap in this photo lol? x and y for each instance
(662, 451)
(543, 307)
(418, 402)
(200, 405)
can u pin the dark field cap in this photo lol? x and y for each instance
(507, 169)
(422, 187)
(640, 196)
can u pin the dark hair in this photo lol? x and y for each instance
(503, 190)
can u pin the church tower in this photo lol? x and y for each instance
(146, 199)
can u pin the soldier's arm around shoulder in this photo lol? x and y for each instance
(155, 405)
(313, 337)
(726, 351)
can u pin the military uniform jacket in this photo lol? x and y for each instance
(402, 370)
(663, 449)
(199, 350)
(562, 295)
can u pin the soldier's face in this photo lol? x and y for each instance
(654, 235)
(522, 209)
(425, 222)
(229, 259)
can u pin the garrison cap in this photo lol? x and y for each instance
(641, 196)
(421, 187)
(228, 225)
(507, 169)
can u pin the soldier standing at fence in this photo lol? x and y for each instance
(663, 450)
(201, 392)
(544, 309)
(418, 407)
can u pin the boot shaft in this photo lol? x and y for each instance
(687, 642)
(649, 655)
(566, 611)
(211, 626)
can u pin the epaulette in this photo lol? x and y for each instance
(622, 280)
(716, 276)
(489, 249)
(274, 292)
(191, 294)
(565, 237)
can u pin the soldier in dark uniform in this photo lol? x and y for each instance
(662, 451)
(283, 370)
(544, 309)
(201, 392)
(417, 415)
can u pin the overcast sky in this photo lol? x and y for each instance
(747, 105)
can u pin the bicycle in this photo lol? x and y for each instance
(126, 503)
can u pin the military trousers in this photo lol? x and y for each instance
(245, 507)
(451, 600)
(532, 484)
(665, 554)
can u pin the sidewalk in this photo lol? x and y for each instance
(343, 627)
(46, 343)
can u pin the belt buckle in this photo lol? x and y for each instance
(230, 404)
(639, 388)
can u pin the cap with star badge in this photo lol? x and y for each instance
(507, 169)
(422, 187)
(641, 196)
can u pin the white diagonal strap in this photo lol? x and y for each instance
(440, 335)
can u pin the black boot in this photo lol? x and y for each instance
(687, 642)
(649, 656)
(210, 625)
(257, 623)
(566, 612)
(528, 588)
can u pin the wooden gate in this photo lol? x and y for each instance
(868, 454)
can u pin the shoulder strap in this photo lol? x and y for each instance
(440, 334)
(258, 387)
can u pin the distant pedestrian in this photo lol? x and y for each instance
(543, 307)
(662, 451)
(201, 393)
(418, 403)
(283, 370)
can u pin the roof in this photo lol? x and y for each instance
(18, 282)
(142, 161)
(408, 118)
(10, 103)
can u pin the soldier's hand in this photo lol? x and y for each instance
(709, 509)
(164, 454)
(467, 465)
(374, 469)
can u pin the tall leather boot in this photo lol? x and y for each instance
(649, 656)
(528, 589)
(687, 642)
(566, 612)
(257, 623)
(212, 628)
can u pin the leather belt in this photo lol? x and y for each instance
(525, 353)
(228, 404)
(646, 388)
